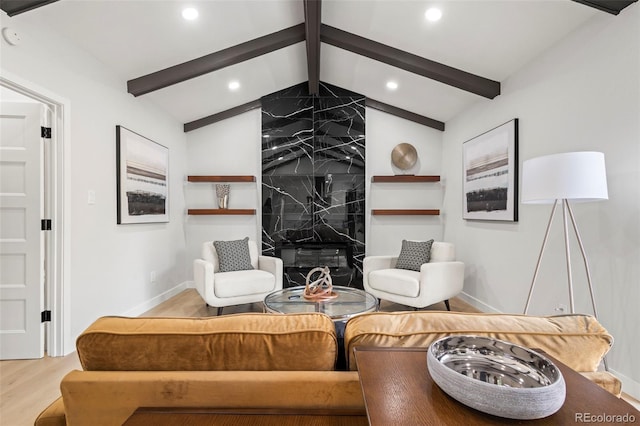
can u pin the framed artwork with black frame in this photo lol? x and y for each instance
(490, 174)
(142, 178)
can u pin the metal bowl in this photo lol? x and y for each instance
(496, 377)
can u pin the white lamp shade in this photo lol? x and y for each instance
(578, 176)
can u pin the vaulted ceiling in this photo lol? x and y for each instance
(185, 67)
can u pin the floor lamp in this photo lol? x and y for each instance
(559, 179)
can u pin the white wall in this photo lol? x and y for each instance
(109, 265)
(385, 233)
(581, 95)
(229, 147)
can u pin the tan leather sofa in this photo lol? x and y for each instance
(277, 361)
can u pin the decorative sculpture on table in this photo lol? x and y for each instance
(321, 288)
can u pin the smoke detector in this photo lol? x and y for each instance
(10, 36)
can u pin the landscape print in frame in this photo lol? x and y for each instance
(142, 178)
(490, 168)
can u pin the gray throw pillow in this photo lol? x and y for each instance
(233, 255)
(413, 254)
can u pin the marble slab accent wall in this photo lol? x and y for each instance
(313, 182)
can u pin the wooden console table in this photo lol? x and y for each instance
(398, 390)
(184, 416)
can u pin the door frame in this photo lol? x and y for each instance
(57, 266)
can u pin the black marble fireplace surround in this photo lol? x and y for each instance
(313, 182)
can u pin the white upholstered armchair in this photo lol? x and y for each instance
(220, 289)
(438, 280)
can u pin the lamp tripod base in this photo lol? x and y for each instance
(567, 213)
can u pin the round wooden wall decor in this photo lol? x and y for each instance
(404, 156)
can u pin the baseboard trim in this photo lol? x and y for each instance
(629, 386)
(476, 303)
(155, 301)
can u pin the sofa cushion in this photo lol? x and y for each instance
(243, 283)
(396, 281)
(413, 254)
(579, 341)
(232, 342)
(233, 255)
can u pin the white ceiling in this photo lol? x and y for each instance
(136, 37)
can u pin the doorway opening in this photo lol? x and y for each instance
(54, 244)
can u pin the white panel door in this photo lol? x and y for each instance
(21, 248)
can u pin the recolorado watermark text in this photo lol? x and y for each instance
(604, 418)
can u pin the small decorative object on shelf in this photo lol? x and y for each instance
(222, 192)
(404, 156)
(321, 288)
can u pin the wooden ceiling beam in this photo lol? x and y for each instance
(231, 112)
(16, 7)
(613, 7)
(312, 13)
(403, 113)
(217, 60)
(410, 62)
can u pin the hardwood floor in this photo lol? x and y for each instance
(28, 386)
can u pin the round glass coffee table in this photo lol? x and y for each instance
(350, 302)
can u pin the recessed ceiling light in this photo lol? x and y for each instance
(392, 85)
(189, 13)
(433, 14)
(234, 85)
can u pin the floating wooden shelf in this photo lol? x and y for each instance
(406, 178)
(219, 179)
(237, 178)
(405, 212)
(202, 212)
